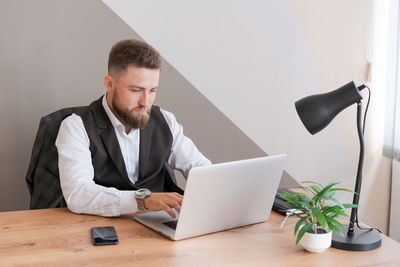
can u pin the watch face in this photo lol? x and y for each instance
(142, 192)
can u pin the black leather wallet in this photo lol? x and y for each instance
(104, 236)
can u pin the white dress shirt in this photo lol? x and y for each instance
(82, 194)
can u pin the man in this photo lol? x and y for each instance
(122, 143)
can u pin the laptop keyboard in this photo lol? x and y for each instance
(171, 224)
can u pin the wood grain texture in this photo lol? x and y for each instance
(57, 237)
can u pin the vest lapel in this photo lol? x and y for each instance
(110, 141)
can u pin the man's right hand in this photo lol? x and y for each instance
(164, 201)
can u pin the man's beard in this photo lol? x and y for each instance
(129, 118)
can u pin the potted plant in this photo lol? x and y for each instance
(317, 211)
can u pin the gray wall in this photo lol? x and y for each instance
(254, 59)
(53, 55)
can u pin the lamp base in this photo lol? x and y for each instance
(362, 240)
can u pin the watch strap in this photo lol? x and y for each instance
(140, 204)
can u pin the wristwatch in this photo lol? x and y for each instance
(140, 195)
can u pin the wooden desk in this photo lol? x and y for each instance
(55, 237)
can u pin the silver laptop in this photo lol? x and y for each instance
(220, 197)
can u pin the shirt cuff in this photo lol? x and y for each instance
(127, 203)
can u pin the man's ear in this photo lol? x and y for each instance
(109, 82)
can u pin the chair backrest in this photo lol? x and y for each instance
(43, 178)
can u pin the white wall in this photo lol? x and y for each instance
(254, 59)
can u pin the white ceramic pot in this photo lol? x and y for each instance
(316, 242)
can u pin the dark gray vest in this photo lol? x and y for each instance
(107, 159)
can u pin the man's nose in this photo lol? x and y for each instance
(144, 99)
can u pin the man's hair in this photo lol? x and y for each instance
(133, 52)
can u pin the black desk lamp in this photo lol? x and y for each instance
(316, 112)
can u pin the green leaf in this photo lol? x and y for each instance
(297, 199)
(326, 209)
(324, 190)
(332, 221)
(315, 188)
(283, 222)
(334, 208)
(338, 211)
(302, 231)
(337, 202)
(344, 189)
(298, 224)
(294, 196)
(321, 219)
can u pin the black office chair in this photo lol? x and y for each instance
(43, 178)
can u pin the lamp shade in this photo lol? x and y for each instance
(317, 111)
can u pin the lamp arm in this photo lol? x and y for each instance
(357, 189)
